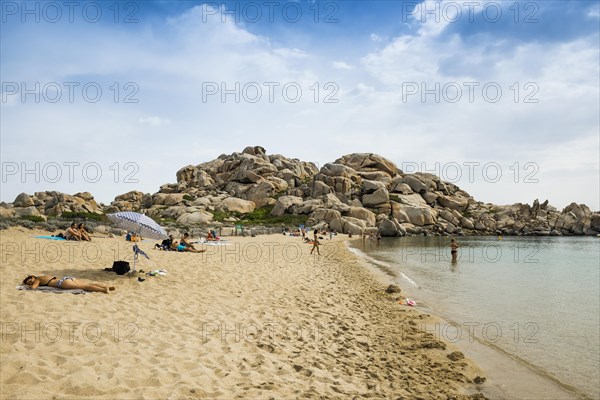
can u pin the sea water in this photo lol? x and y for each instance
(537, 299)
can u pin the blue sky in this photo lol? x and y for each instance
(388, 75)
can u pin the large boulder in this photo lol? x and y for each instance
(331, 201)
(254, 150)
(320, 188)
(241, 206)
(412, 199)
(595, 222)
(262, 194)
(398, 213)
(378, 197)
(198, 217)
(86, 196)
(26, 212)
(204, 180)
(415, 184)
(344, 226)
(362, 214)
(23, 200)
(430, 198)
(173, 199)
(337, 170)
(388, 228)
(579, 210)
(466, 223)
(285, 203)
(7, 212)
(369, 162)
(324, 214)
(372, 186)
(202, 201)
(454, 202)
(309, 206)
(420, 216)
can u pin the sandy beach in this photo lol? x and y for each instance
(257, 318)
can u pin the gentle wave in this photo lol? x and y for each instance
(387, 266)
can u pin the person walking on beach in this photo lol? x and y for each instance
(453, 250)
(315, 242)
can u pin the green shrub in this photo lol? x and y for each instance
(261, 216)
(83, 215)
(32, 218)
(188, 197)
(219, 216)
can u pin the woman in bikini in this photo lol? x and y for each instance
(66, 282)
(315, 242)
(85, 235)
(453, 250)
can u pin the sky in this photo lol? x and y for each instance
(501, 98)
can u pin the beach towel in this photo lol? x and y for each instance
(137, 250)
(52, 289)
(50, 237)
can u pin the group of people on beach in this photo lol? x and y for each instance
(184, 244)
(77, 232)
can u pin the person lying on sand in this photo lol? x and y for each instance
(66, 282)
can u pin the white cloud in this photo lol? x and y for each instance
(342, 65)
(375, 37)
(594, 11)
(154, 121)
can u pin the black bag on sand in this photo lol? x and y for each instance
(121, 267)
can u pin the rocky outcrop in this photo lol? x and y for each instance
(357, 192)
(52, 203)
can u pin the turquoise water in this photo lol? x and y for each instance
(534, 298)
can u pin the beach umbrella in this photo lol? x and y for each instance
(141, 225)
(138, 223)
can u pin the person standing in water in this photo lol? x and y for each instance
(453, 250)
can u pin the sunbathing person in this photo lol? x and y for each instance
(66, 282)
(185, 241)
(72, 233)
(85, 235)
(180, 247)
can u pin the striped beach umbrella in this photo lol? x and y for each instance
(138, 223)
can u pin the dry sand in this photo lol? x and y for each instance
(259, 318)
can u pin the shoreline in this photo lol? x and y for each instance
(509, 376)
(258, 318)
